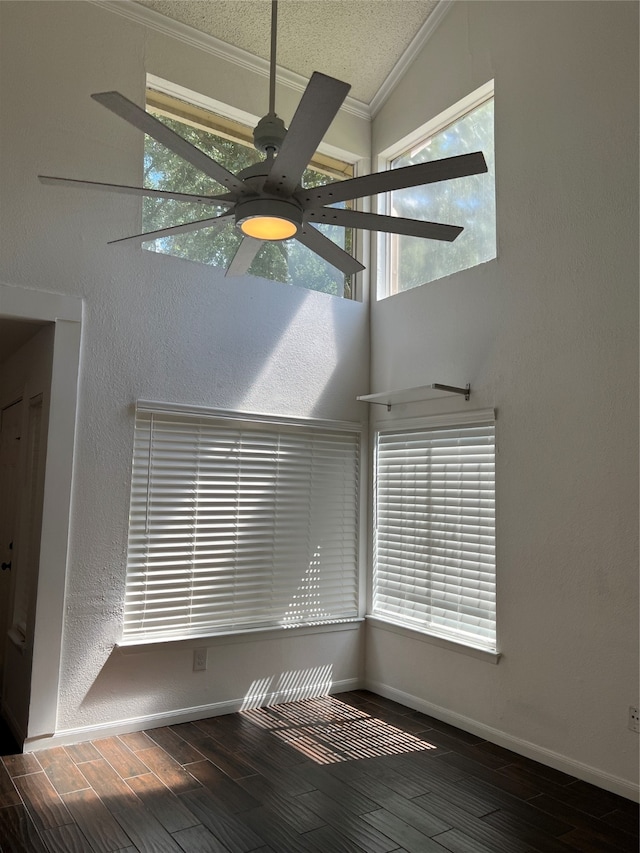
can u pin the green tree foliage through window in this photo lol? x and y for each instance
(469, 202)
(288, 261)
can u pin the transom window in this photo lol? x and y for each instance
(469, 201)
(230, 143)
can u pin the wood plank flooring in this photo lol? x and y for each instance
(341, 774)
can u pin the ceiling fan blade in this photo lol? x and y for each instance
(243, 258)
(318, 106)
(389, 224)
(327, 249)
(175, 229)
(145, 191)
(394, 179)
(141, 119)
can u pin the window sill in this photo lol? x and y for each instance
(252, 635)
(487, 655)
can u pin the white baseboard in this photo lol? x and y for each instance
(65, 737)
(530, 750)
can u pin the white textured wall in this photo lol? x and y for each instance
(154, 328)
(548, 335)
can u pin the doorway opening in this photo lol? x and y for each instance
(25, 391)
(39, 369)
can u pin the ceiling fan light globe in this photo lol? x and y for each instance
(269, 219)
(268, 228)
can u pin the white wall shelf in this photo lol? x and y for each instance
(414, 395)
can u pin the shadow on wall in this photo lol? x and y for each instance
(315, 359)
(289, 687)
(248, 344)
(136, 683)
(142, 690)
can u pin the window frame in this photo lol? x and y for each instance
(421, 134)
(459, 420)
(230, 420)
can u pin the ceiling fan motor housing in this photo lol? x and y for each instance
(269, 133)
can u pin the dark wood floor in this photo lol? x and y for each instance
(341, 774)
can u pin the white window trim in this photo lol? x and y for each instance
(437, 123)
(384, 158)
(234, 638)
(466, 417)
(448, 419)
(164, 408)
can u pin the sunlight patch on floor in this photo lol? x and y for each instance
(328, 731)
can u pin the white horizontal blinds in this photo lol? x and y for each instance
(239, 525)
(435, 531)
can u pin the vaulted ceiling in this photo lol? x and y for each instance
(359, 41)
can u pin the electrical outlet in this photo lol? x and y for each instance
(199, 660)
(634, 719)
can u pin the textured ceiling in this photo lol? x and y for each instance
(358, 41)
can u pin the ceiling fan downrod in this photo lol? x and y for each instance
(270, 131)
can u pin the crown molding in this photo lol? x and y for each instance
(415, 46)
(202, 41)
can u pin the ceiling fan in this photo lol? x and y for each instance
(266, 200)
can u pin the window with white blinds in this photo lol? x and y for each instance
(238, 524)
(434, 532)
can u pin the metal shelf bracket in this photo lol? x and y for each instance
(466, 391)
